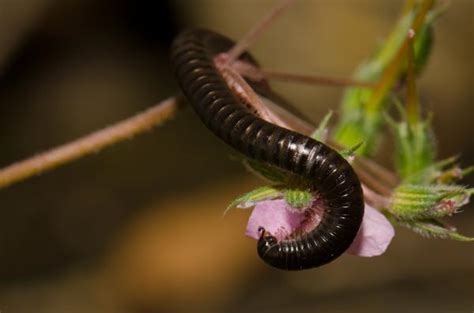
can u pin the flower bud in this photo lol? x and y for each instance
(412, 202)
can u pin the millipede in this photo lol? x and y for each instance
(325, 170)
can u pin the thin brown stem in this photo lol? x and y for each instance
(391, 73)
(316, 80)
(373, 182)
(89, 144)
(255, 32)
(385, 175)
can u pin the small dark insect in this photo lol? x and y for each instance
(227, 116)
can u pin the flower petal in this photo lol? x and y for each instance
(280, 219)
(276, 216)
(375, 234)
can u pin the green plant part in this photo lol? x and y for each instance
(362, 109)
(322, 130)
(425, 190)
(433, 228)
(298, 199)
(348, 153)
(414, 202)
(442, 172)
(415, 150)
(249, 199)
(425, 37)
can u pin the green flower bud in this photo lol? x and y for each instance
(413, 202)
(297, 198)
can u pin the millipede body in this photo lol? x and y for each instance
(327, 172)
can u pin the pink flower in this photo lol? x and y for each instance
(276, 216)
(280, 219)
(374, 236)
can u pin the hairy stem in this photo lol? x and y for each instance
(89, 144)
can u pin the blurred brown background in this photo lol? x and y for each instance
(137, 228)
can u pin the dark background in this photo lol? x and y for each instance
(137, 228)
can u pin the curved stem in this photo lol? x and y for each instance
(89, 144)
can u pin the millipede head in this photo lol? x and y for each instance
(266, 241)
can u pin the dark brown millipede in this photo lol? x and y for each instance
(324, 169)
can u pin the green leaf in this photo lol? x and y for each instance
(433, 228)
(261, 193)
(298, 198)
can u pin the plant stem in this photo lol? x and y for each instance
(316, 80)
(412, 106)
(89, 144)
(390, 74)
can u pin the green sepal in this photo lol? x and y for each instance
(466, 171)
(438, 172)
(415, 148)
(347, 153)
(248, 200)
(298, 198)
(444, 172)
(433, 228)
(414, 202)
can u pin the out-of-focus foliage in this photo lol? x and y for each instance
(362, 109)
